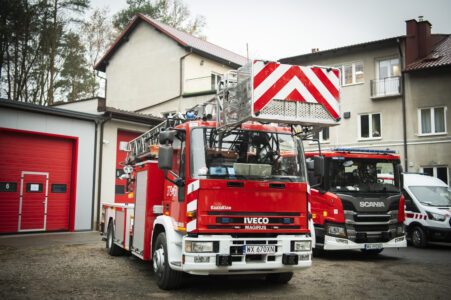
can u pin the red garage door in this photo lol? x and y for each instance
(36, 185)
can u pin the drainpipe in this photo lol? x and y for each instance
(403, 104)
(99, 191)
(181, 76)
(94, 175)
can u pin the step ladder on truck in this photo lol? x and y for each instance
(223, 189)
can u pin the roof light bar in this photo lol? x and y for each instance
(363, 150)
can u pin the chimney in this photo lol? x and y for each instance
(314, 50)
(418, 40)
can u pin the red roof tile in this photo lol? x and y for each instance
(184, 39)
(440, 56)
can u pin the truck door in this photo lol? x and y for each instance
(33, 201)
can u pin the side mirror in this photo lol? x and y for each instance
(319, 165)
(166, 136)
(165, 154)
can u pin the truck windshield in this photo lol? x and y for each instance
(432, 195)
(362, 175)
(246, 155)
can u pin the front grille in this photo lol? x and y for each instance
(371, 218)
(369, 228)
(252, 213)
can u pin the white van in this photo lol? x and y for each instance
(428, 209)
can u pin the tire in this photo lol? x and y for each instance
(112, 248)
(280, 278)
(418, 237)
(372, 251)
(167, 278)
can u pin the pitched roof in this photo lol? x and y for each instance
(391, 40)
(184, 39)
(440, 56)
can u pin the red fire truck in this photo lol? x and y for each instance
(357, 204)
(228, 196)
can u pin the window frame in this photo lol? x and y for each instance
(432, 110)
(389, 58)
(218, 78)
(434, 171)
(320, 134)
(353, 72)
(370, 126)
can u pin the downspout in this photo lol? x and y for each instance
(94, 175)
(403, 104)
(181, 76)
(99, 191)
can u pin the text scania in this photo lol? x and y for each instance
(372, 204)
(256, 220)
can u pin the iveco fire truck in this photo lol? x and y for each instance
(228, 196)
(357, 204)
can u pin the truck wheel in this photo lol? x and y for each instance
(281, 278)
(419, 238)
(166, 277)
(372, 251)
(113, 249)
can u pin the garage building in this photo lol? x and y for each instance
(47, 168)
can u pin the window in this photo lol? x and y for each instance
(432, 120)
(215, 79)
(438, 172)
(59, 188)
(352, 73)
(8, 187)
(322, 136)
(387, 78)
(370, 126)
(120, 189)
(388, 68)
(34, 188)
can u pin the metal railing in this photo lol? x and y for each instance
(389, 86)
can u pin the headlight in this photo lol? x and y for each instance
(436, 217)
(335, 230)
(297, 246)
(199, 247)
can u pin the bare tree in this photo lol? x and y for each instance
(97, 34)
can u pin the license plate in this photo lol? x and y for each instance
(373, 246)
(259, 249)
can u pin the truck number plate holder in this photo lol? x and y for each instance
(373, 246)
(259, 249)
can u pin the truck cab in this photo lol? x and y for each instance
(428, 209)
(357, 204)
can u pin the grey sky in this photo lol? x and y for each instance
(276, 29)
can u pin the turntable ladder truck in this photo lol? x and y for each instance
(226, 191)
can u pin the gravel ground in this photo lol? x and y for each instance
(87, 271)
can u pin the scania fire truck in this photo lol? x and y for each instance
(223, 188)
(357, 204)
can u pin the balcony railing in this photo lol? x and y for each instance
(390, 86)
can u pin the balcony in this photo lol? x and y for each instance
(387, 87)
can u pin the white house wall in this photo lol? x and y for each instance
(109, 142)
(85, 131)
(145, 70)
(197, 73)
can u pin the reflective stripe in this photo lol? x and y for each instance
(193, 186)
(192, 206)
(191, 226)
